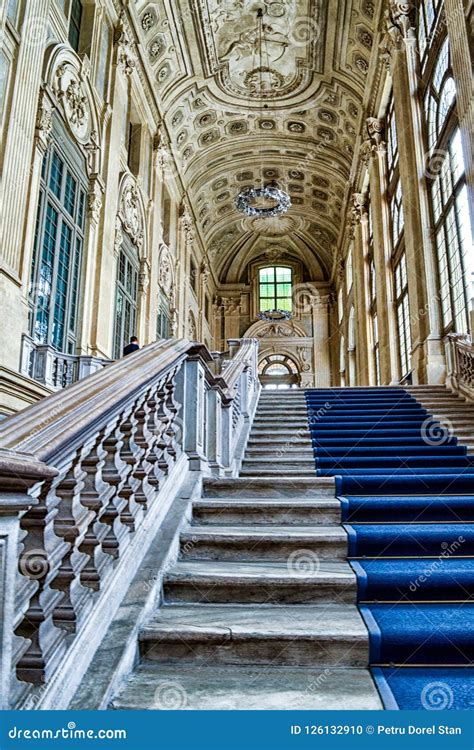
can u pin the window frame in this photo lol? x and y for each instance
(274, 297)
(445, 205)
(128, 257)
(72, 225)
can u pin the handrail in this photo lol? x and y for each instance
(66, 415)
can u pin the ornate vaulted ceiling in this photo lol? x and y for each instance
(242, 109)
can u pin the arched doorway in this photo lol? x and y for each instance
(278, 371)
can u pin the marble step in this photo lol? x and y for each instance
(260, 583)
(266, 510)
(268, 487)
(280, 450)
(296, 635)
(290, 423)
(263, 543)
(155, 687)
(276, 472)
(296, 442)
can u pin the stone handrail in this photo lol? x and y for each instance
(83, 471)
(460, 359)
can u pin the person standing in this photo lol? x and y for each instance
(133, 346)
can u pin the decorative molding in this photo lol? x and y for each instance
(126, 54)
(67, 77)
(44, 119)
(165, 269)
(94, 199)
(131, 213)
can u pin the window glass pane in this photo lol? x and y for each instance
(70, 194)
(80, 210)
(267, 274)
(283, 274)
(457, 158)
(62, 280)
(74, 286)
(75, 24)
(56, 175)
(447, 97)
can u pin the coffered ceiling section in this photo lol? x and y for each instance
(246, 105)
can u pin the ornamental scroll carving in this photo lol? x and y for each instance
(67, 90)
(131, 214)
(72, 94)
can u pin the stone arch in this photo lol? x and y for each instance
(275, 329)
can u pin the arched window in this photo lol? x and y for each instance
(58, 247)
(448, 191)
(274, 286)
(126, 296)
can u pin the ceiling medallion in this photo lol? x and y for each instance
(272, 315)
(281, 201)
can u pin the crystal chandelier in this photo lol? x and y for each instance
(281, 201)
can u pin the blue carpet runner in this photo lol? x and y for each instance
(407, 493)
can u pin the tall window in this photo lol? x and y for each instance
(275, 288)
(163, 326)
(398, 244)
(75, 19)
(428, 14)
(126, 297)
(58, 247)
(403, 314)
(448, 191)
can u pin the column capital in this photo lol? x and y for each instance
(402, 16)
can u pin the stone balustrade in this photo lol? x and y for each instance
(85, 478)
(460, 359)
(54, 369)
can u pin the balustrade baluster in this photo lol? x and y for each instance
(95, 496)
(130, 454)
(70, 524)
(45, 643)
(144, 439)
(113, 473)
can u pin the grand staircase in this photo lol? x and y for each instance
(259, 610)
(345, 543)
